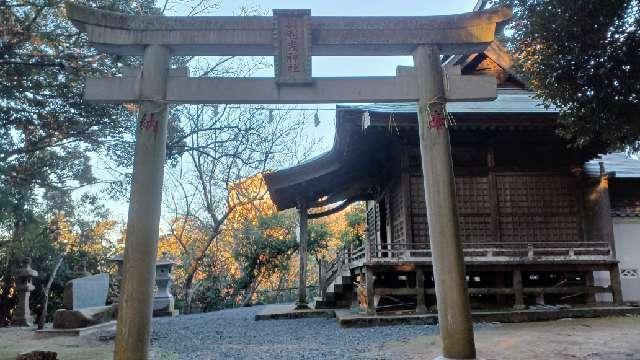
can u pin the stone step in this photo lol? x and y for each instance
(326, 304)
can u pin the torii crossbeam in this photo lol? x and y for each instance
(292, 37)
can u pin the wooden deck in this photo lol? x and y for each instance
(485, 253)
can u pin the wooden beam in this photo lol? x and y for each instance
(253, 35)
(496, 291)
(331, 211)
(189, 90)
(259, 90)
(470, 87)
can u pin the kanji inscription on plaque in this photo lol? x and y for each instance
(292, 39)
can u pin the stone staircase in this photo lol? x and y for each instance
(339, 292)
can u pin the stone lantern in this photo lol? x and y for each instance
(163, 301)
(119, 261)
(22, 314)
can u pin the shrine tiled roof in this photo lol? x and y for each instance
(508, 101)
(625, 187)
(622, 164)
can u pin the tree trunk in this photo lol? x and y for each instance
(321, 276)
(250, 291)
(188, 292)
(45, 293)
(281, 283)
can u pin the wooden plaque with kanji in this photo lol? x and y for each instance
(292, 35)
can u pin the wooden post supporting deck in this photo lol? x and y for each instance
(302, 251)
(454, 314)
(616, 287)
(136, 298)
(591, 291)
(371, 302)
(421, 307)
(517, 290)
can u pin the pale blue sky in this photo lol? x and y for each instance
(330, 66)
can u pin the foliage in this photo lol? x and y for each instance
(204, 245)
(49, 140)
(47, 133)
(47, 130)
(82, 248)
(582, 57)
(319, 235)
(213, 183)
(353, 233)
(263, 248)
(338, 230)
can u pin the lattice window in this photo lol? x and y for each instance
(474, 209)
(630, 273)
(532, 208)
(537, 208)
(419, 225)
(371, 222)
(397, 211)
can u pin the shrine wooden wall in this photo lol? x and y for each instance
(495, 205)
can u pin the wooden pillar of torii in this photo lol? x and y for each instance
(454, 314)
(288, 37)
(136, 296)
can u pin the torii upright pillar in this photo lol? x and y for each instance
(136, 299)
(454, 315)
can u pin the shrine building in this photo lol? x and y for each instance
(540, 222)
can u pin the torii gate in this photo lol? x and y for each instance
(292, 37)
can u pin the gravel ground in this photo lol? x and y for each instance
(234, 334)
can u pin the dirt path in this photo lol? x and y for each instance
(605, 338)
(14, 341)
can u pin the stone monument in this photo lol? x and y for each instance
(22, 314)
(84, 300)
(85, 292)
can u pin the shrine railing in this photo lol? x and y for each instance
(330, 270)
(496, 251)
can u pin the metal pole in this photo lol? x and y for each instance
(454, 315)
(136, 299)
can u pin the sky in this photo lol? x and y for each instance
(329, 66)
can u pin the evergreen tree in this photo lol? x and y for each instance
(582, 56)
(46, 130)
